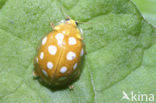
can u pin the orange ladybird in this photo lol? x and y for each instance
(58, 58)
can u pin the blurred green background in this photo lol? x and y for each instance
(148, 9)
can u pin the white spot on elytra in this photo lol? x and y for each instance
(49, 65)
(75, 66)
(41, 55)
(37, 60)
(71, 55)
(44, 40)
(52, 49)
(59, 38)
(64, 32)
(63, 69)
(72, 41)
(44, 72)
(62, 78)
(82, 52)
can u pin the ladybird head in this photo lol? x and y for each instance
(72, 22)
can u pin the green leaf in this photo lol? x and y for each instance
(120, 47)
(148, 9)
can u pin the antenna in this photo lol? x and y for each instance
(68, 17)
(64, 14)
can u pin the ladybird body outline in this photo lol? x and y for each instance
(59, 55)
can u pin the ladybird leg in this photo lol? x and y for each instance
(71, 87)
(52, 25)
(85, 52)
(35, 75)
(75, 76)
(68, 17)
(35, 60)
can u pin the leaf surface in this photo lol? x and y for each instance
(120, 47)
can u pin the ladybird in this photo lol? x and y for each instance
(59, 55)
